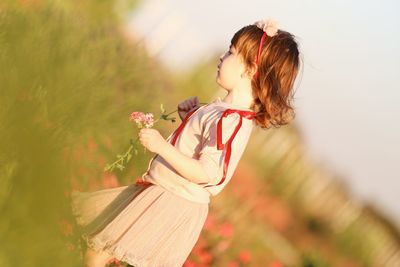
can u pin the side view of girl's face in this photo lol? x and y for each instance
(230, 69)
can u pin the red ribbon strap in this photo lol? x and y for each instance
(180, 128)
(220, 145)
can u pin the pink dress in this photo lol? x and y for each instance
(158, 220)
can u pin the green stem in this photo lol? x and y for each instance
(177, 110)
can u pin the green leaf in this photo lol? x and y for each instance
(119, 166)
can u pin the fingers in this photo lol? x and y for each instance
(182, 106)
(145, 131)
(195, 101)
(188, 104)
(144, 134)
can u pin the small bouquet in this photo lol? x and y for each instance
(142, 120)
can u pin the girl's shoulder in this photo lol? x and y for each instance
(213, 118)
(213, 112)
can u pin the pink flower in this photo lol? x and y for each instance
(140, 118)
(136, 116)
(148, 120)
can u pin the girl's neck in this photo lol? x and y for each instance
(239, 100)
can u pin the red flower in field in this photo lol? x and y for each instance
(223, 245)
(233, 264)
(205, 256)
(276, 264)
(245, 256)
(66, 227)
(200, 245)
(189, 263)
(92, 145)
(110, 180)
(226, 229)
(70, 246)
(209, 223)
(107, 141)
(101, 161)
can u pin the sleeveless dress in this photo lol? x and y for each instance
(157, 220)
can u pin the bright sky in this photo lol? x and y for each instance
(348, 99)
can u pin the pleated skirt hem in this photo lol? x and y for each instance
(143, 225)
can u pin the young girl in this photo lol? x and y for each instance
(157, 221)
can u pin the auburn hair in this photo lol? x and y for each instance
(278, 66)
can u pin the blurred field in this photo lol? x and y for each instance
(68, 82)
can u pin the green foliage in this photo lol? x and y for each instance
(358, 239)
(313, 259)
(67, 75)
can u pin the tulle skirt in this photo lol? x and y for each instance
(141, 224)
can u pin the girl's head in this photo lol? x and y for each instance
(273, 77)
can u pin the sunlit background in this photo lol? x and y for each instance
(322, 191)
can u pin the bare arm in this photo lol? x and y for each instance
(186, 166)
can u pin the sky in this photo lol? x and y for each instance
(347, 96)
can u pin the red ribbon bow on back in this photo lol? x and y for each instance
(243, 113)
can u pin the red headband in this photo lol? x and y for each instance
(259, 53)
(270, 28)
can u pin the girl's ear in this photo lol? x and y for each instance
(252, 70)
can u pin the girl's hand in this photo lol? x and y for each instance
(186, 106)
(151, 139)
